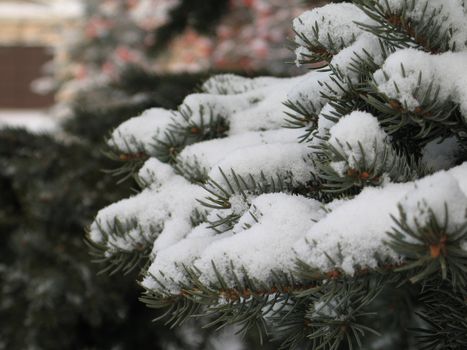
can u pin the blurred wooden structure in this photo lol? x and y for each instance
(28, 32)
(19, 66)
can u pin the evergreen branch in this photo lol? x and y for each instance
(130, 164)
(251, 303)
(444, 312)
(116, 257)
(317, 51)
(243, 187)
(359, 172)
(167, 149)
(432, 119)
(192, 171)
(429, 248)
(122, 261)
(401, 31)
(302, 116)
(210, 125)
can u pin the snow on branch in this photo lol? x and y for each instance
(368, 180)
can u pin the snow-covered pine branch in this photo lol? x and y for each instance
(241, 221)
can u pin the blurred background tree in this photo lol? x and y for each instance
(51, 296)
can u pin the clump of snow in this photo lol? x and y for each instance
(437, 195)
(336, 23)
(162, 211)
(138, 134)
(407, 74)
(399, 76)
(280, 219)
(366, 46)
(309, 91)
(354, 233)
(124, 212)
(266, 113)
(230, 84)
(359, 138)
(199, 107)
(154, 173)
(167, 270)
(207, 154)
(449, 14)
(460, 174)
(258, 109)
(286, 161)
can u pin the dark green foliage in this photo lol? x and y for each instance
(106, 107)
(50, 294)
(345, 301)
(444, 313)
(165, 89)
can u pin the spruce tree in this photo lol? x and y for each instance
(327, 211)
